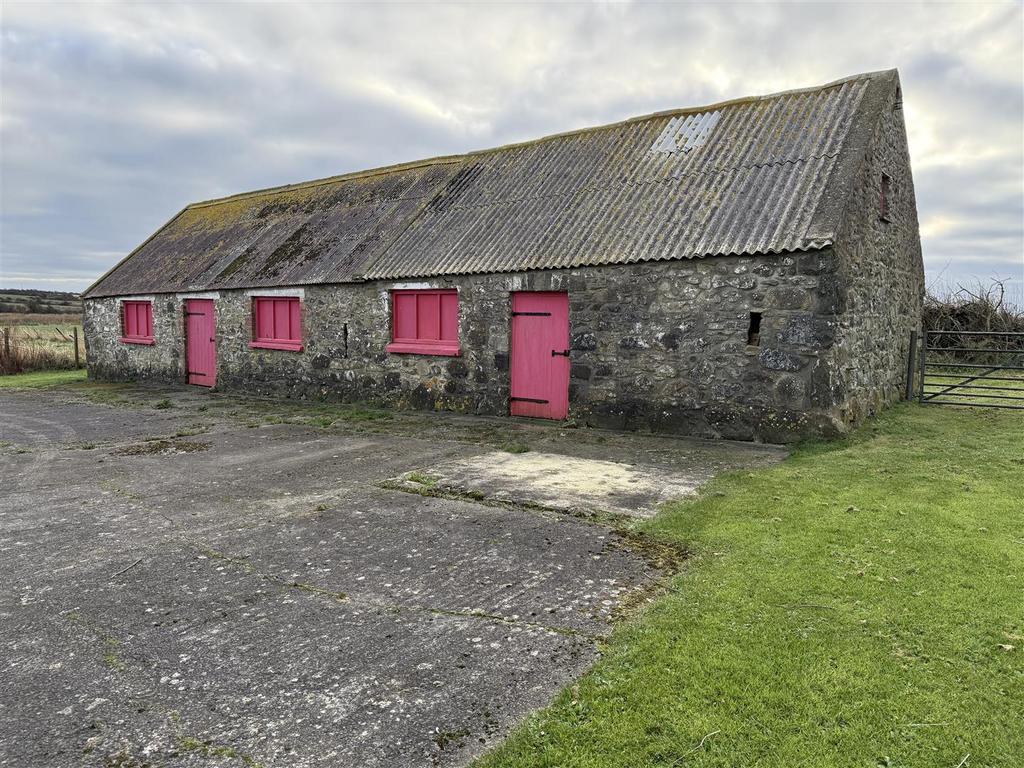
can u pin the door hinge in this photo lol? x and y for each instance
(563, 353)
(528, 399)
(531, 314)
(189, 314)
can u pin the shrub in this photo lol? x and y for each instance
(979, 308)
(976, 308)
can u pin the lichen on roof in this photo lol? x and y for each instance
(764, 177)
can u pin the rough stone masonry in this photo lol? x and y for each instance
(662, 346)
(804, 337)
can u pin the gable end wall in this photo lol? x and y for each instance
(881, 277)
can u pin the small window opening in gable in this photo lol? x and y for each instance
(277, 323)
(754, 330)
(885, 196)
(137, 322)
(425, 322)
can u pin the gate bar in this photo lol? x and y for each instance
(974, 405)
(976, 333)
(983, 397)
(978, 349)
(978, 386)
(978, 365)
(966, 378)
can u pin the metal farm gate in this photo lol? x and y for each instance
(975, 368)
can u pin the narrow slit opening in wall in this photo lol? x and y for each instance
(754, 329)
(344, 340)
(885, 194)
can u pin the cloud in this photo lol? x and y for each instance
(116, 116)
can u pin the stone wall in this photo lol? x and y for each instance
(109, 358)
(659, 346)
(881, 275)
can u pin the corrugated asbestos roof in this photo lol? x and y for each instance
(760, 175)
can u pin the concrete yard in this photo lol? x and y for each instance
(193, 579)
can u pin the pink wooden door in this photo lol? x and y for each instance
(201, 355)
(540, 355)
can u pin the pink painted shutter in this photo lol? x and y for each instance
(295, 320)
(450, 316)
(405, 316)
(428, 316)
(425, 322)
(137, 320)
(264, 319)
(281, 319)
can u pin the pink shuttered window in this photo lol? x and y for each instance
(277, 323)
(425, 322)
(137, 322)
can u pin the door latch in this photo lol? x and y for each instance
(563, 353)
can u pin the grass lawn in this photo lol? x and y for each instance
(41, 379)
(861, 604)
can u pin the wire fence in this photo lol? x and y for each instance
(25, 348)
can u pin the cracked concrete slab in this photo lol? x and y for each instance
(264, 601)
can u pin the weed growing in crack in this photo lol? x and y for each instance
(421, 479)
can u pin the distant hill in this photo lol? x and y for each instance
(39, 302)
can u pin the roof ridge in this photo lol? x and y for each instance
(380, 171)
(682, 111)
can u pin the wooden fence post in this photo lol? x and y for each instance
(922, 355)
(75, 334)
(7, 342)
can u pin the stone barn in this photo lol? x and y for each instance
(750, 269)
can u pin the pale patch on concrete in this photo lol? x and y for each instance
(566, 482)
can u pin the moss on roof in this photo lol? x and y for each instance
(598, 195)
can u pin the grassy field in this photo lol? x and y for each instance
(39, 342)
(861, 604)
(30, 319)
(48, 302)
(45, 333)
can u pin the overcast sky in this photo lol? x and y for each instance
(114, 116)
